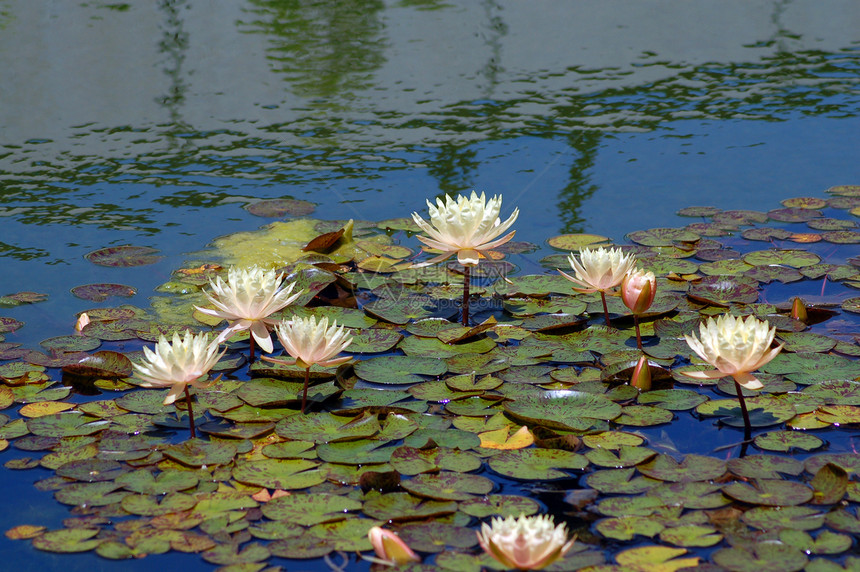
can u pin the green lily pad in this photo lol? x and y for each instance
(453, 438)
(327, 428)
(672, 399)
(769, 492)
(269, 392)
(310, 509)
(197, 453)
(829, 484)
(690, 494)
(401, 507)
(345, 535)
(499, 505)
(90, 494)
(373, 340)
(435, 537)
(574, 242)
(359, 452)
(844, 520)
(632, 506)
(67, 424)
(826, 542)
(68, 540)
(612, 440)
(77, 343)
(448, 485)
(762, 556)
(279, 473)
(153, 505)
(692, 468)
(290, 450)
(692, 535)
(144, 482)
(620, 481)
(432, 348)
(411, 461)
(626, 527)
(536, 285)
(230, 554)
(643, 416)
(304, 546)
(785, 441)
(624, 456)
(763, 411)
(537, 464)
(562, 409)
(793, 258)
(764, 467)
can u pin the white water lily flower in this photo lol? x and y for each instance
(734, 346)
(247, 299)
(598, 270)
(178, 364)
(311, 342)
(525, 543)
(466, 227)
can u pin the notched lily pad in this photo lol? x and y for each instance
(124, 256)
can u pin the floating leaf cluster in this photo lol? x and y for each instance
(437, 427)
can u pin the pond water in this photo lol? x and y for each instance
(154, 124)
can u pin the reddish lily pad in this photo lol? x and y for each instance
(279, 208)
(104, 364)
(123, 256)
(101, 292)
(662, 236)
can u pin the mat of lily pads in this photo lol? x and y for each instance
(435, 427)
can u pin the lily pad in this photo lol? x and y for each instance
(400, 507)
(399, 369)
(124, 256)
(692, 468)
(68, 540)
(537, 464)
(310, 509)
(101, 292)
(770, 492)
(563, 409)
(761, 556)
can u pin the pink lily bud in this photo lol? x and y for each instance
(641, 378)
(638, 290)
(390, 548)
(798, 310)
